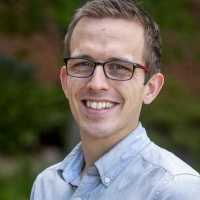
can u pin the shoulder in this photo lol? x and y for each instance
(182, 186)
(55, 171)
(49, 173)
(49, 184)
(167, 161)
(43, 181)
(178, 179)
(47, 176)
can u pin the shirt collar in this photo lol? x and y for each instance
(110, 165)
(70, 168)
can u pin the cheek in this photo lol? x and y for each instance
(133, 96)
(70, 91)
(74, 89)
(73, 100)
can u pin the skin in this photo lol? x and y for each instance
(102, 39)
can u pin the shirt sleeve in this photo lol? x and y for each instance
(182, 187)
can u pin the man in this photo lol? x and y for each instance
(112, 68)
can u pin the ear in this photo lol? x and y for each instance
(153, 87)
(63, 80)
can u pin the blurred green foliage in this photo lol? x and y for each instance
(27, 109)
(18, 185)
(30, 16)
(172, 14)
(179, 28)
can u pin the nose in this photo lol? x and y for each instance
(98, 80)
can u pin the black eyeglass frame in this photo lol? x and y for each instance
(135, 65)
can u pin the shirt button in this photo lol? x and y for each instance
(107, 180)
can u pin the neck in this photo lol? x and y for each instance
(94, 148)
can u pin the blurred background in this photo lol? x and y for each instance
(36, 127)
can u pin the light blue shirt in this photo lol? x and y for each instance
(134, 169)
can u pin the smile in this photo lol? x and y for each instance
(99, 105)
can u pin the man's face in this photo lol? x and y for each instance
(100, 106)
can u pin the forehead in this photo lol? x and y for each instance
(108, 37)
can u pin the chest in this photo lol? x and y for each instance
(125, 186)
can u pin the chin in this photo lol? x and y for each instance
(97, 132)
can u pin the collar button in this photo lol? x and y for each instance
(107, 180)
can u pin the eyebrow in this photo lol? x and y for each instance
(109, 59)
(83, 56)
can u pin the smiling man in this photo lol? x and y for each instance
(112, 68)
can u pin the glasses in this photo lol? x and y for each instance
(116, 69)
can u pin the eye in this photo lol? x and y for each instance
(81, 64)
(120, 67)
(80, 67)
(119, 70)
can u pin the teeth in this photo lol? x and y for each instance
(99, 105)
